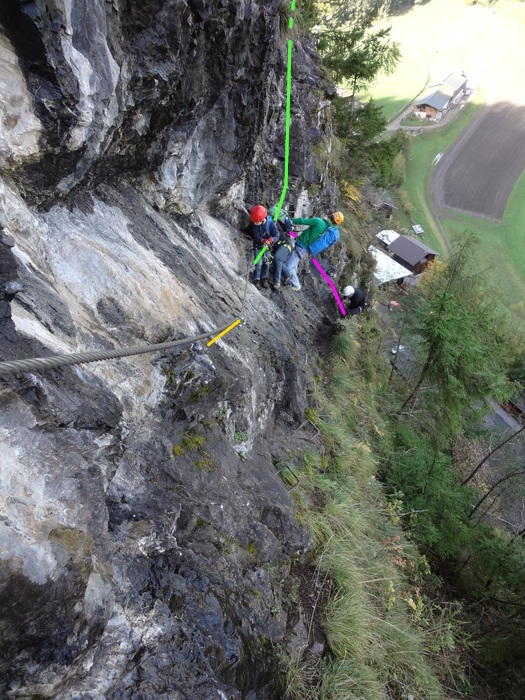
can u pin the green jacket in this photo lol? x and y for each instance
(316, 228)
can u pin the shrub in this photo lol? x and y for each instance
(399, 169)
(406, 203)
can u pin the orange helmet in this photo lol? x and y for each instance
(258, 214)
(338, 217)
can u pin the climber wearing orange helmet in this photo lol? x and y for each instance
(316, 228)
(263, 232)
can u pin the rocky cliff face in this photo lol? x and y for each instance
(146, 534)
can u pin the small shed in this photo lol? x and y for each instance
(411, 253)
(456, 84)
(387, 269)
(433, 105)
(387, 209)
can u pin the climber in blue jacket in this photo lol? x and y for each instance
(263, 232)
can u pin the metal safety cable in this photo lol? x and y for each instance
(54, 361)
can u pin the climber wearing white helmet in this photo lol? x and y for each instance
(354, 300)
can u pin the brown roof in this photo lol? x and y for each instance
(410, 250)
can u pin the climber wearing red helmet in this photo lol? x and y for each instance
(263, 232)
(258, 214)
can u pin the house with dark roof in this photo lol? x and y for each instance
(432, 105)
(412, 253)
(441, 97)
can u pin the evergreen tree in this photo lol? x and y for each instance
(460, 331)
(357, 56)
(357, 126)
(352, 48)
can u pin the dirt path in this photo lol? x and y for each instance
(431, 218)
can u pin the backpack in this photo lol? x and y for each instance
(328, 238)
(284, 228)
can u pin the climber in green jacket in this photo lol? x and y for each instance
(316, 228)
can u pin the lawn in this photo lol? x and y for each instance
(395, 91)
(414, 121)
(501, 250)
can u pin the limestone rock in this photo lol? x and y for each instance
(144, 527)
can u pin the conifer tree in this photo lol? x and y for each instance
(460, 331)
(353, 48)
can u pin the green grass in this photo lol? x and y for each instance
(414, 121)
(395, 91)
(378, 649)
(501, 250)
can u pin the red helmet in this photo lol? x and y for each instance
(258, 214)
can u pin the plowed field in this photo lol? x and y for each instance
(480, 171)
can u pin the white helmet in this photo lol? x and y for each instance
(348, 291)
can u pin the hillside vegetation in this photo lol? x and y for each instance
(408, 504)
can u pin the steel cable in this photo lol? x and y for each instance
(54, 361)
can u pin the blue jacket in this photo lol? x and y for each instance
(267, 229)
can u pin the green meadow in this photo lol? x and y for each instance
(394, 92)
(502, 249)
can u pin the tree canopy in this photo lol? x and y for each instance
(461, 332)
(353, 48)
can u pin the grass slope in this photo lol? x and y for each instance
(381, 642)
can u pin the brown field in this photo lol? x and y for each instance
(479, 172)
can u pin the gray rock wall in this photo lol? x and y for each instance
(145, 532)
(187, 101)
